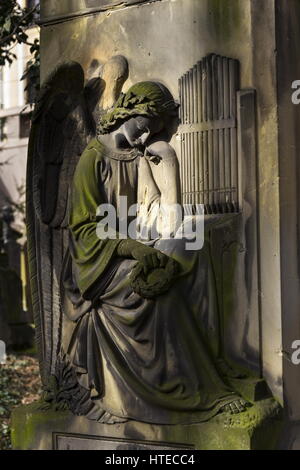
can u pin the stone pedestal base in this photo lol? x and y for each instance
(257, 428)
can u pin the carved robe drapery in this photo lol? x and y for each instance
(142, 359)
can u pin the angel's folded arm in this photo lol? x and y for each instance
(91, 253)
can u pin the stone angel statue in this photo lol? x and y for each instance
(138, 350)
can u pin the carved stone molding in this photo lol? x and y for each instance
(53, 11)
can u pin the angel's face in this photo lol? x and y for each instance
(139, 130)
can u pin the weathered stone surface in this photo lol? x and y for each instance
(289, 436)
(57, 10)
(257, 428)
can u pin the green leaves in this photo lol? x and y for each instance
(7, 25)
(14, 22)
(32, 70)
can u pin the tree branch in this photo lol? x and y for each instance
(12, 34)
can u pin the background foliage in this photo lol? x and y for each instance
(19, 377)
(14, 23)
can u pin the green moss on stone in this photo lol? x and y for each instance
(257, 428)
(225, 17)
(28, 421)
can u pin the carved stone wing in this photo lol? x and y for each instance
(62, 124)
(59, 134)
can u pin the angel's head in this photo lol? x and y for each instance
(143, 111)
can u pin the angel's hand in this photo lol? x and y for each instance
(154, 159)
(158, 151)
(149, 257)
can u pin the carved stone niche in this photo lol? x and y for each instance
(218, 169)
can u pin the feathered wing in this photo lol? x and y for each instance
(62, 124)
(60, 131)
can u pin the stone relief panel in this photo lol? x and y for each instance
(78, 274)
